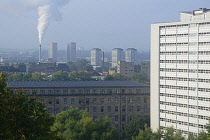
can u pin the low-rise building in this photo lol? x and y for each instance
(119, 100)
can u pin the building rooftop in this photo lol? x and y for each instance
(73, 84)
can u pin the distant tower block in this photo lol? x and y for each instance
(52, 52)
(130, 55)
(71, 52)
(117, 55)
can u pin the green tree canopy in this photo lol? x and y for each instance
(60, 76)
(81, 76)
(78, 125)
(140, 77)
(22, 117)
(136, 124)
(115, 77)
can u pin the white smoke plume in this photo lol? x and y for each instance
(48, 10)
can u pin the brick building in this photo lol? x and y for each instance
(119, 100)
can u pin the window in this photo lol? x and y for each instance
(50, 109)
(72, 100)
(87, 100)
(138, 91)
(116, 108)
(65, 108)
(138, 109)
(116, 117)
(109, 91)
(138, 100)
(94, 91)
(34, 92)
(57, 110)
(49, 101)
(145, 100)
(87, 91)
(94, 109)
(109, 100)
(94, 100)
(130, 108)
(73, 91)
(123, 117)
(50, 91)
(57, 91)
(57, 101)
(80, 91)
(145, 109)
(102, 100)
(42, 91)
(123, 108)
(65, 91)
(116, 100)
(102, 91)
(130, 90)
(130, 100)
(102, 108)
(80, 100)
(123, 91)
(65, 100)
(109, 108)
(123, 100)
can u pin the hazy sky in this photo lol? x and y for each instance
(104, 24)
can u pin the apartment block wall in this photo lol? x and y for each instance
(120, 104)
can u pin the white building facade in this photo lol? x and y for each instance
(180, 73)
(117, 55)
(71, 52)
(52, 52)
(96, 57)
(130, 55)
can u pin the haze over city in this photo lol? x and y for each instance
(104, 24)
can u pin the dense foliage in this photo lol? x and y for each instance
(136, 124)
(78, 125)
(22, 117)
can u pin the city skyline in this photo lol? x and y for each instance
(102, 24)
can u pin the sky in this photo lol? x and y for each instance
(104, 24)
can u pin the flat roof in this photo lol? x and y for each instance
(74, 84)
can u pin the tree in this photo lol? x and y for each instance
(72, 66)
(80, 64)
(81, 76)
(15, 77)
(78, 125)
(115, 77)
(22, 117)
(136, 124)
(145, 134)
(140, 77)
(60, 76)
(36, 76)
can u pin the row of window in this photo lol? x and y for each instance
(94, 100)
(185, 79)
(184, 35)
(186, 53)
(89, 91)
(109, 109)
(185, 44)
(186, 61)
(185, 88)
(184, 70)
(185, 114)
(182, 123)
(185, 25)
(185, 97)
(185, 105)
